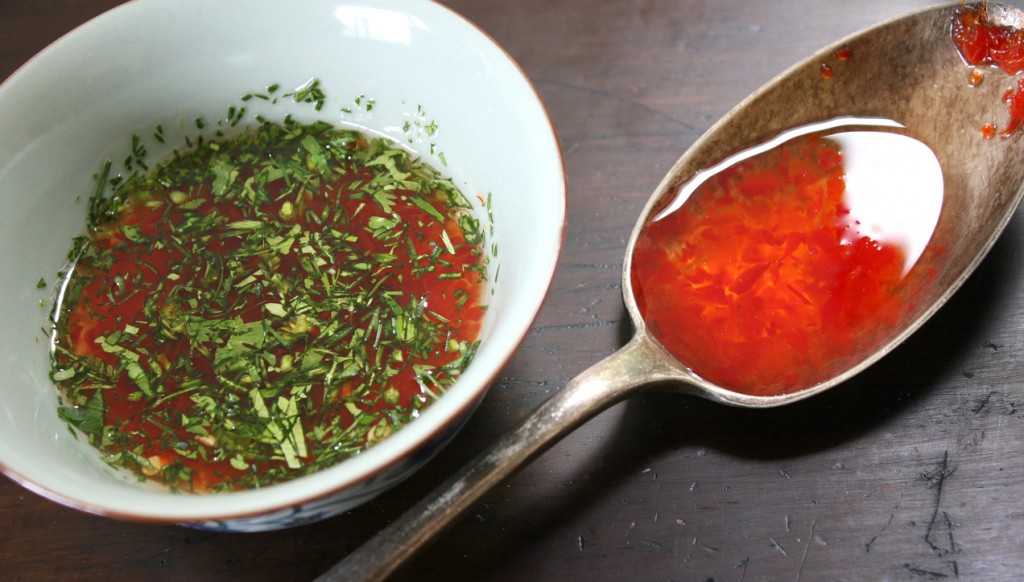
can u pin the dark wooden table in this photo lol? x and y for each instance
(912, 471)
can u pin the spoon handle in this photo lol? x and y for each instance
(597, 388)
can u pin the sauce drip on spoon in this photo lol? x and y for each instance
(983, 42)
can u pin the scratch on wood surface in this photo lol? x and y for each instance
(778, 546)
(983, 402)
(711, 549)
(509, 380)
(696, 543)
(932, 574)
(948, 524)
(936, 479)
(867, 546)
(601, 266)
(572, 326)
(629, 530)
(651, 544)
(803, 559)
(742, 564)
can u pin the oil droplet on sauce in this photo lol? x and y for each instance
(781, 267)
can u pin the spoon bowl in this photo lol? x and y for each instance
(907, 70)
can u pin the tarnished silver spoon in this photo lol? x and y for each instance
(906, 70)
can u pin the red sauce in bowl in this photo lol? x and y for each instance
(266, 306)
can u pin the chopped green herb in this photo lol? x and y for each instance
(265, 304)
(309, 92)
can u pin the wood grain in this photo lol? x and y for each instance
(913, 470)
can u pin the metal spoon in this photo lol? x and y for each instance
(906, 69)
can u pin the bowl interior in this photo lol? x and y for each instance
(411, 70)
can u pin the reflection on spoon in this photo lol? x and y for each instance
(893, 189)
(684, 192)
(782, 266)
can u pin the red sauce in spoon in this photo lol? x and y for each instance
(760, 282)
(981, 42)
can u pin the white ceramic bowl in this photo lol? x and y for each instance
(394, 67)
